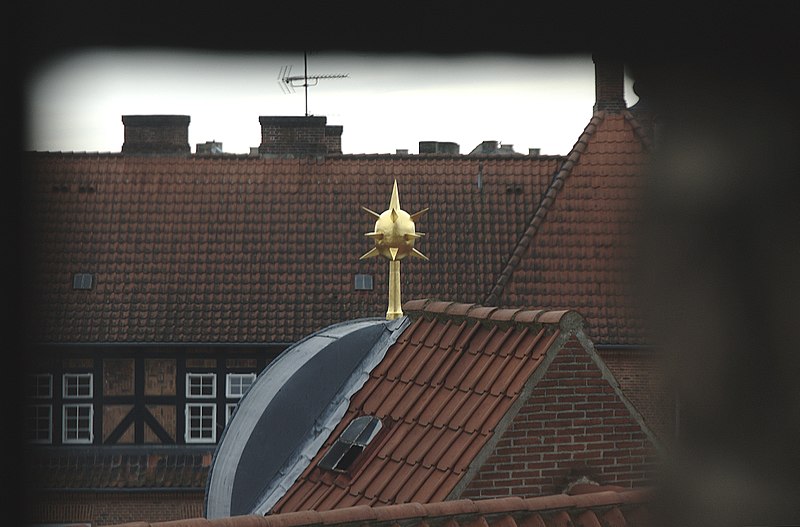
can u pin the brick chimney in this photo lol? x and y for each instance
(333, 138)
(299, 136)
(156, 134)
(609, 84)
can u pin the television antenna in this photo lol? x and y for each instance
(289, 82)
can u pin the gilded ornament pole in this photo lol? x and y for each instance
(394, 236)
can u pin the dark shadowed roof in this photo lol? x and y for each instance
(579, 248)
(239, 249)
(118, 468)
(603, 506)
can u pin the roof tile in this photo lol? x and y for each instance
(581, 234)
(442, 388)
(189, 237)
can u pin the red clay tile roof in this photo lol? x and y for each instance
(241, 249)
(97, 467)
(607, 508)
(441, 389)
(578, 249)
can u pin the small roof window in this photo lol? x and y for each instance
(363, 282)
(351, 443)
(82, 280)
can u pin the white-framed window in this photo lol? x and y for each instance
(237, 384)
(77, 423)
(39, 423)
(201, 423)
(229, 409)
(40, 386)
(201, 385)
(77, 386)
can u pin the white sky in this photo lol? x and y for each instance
(389, 102)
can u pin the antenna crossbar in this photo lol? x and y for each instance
(289, 82)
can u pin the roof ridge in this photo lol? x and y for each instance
(456, 311)
(404, 512)
(541, 212)
(638, 129)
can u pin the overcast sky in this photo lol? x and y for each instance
(388, 102)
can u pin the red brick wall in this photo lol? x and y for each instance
(156, 134)
(641, 374)
(333, 138)
(109, 508)
(299, 136)
(572, 425)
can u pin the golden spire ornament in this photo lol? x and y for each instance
(394, 237)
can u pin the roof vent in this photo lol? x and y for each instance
(486, 147)
(507, 149)
(438, 147)
(209, 148)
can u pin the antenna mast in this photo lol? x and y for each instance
(288, 82)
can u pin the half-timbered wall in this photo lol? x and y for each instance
(135, 395)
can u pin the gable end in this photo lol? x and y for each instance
(571, 422)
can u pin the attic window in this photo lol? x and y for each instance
(351, 443)
(363, 282)
(82, 280)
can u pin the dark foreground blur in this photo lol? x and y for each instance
(719, 274)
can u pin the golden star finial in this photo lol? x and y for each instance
(394, 236)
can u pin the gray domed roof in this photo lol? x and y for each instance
(289, 412)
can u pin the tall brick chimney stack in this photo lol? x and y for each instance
(299, 136)
(156, 134)
(609, 84)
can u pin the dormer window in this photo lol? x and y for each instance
(351, 443)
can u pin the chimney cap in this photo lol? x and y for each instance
(156, 120)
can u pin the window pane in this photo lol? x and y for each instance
(40, 386)
(202, 385)
(38, 423)
(238, 383)
(77, 385)
(201, 423)
(77, 423)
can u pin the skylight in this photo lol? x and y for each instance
(82, 280)
(351, 443)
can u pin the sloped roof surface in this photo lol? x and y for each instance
(98, 467)
(240, 249)
(579, 248)
(304, 394)
(606, 507)
(441, 390)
